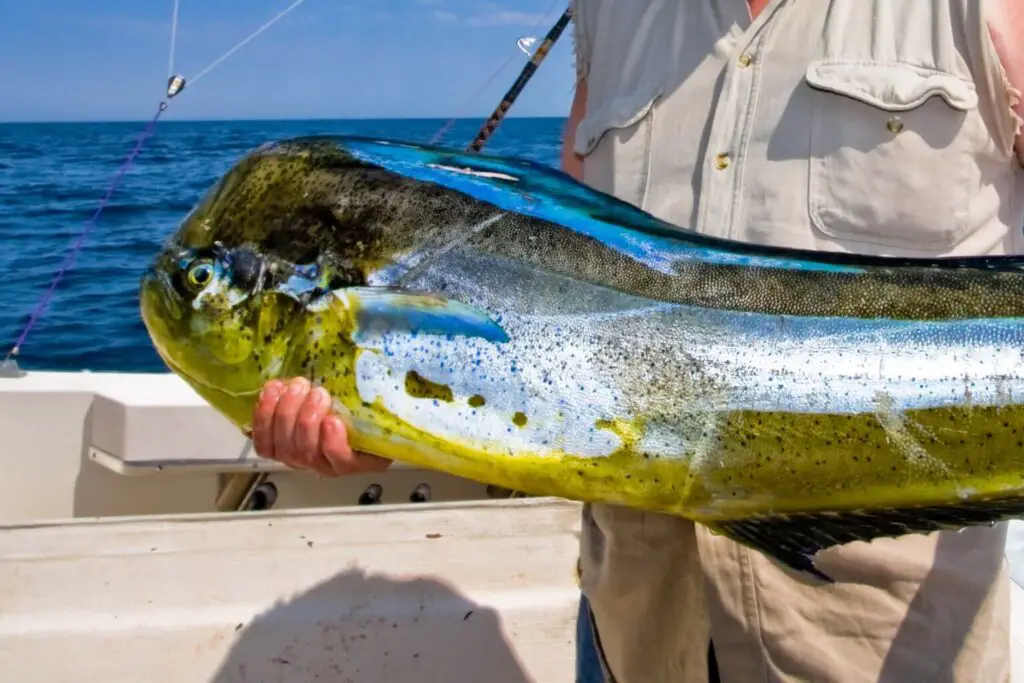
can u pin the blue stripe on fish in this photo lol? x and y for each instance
(538, 191)
(385, 311)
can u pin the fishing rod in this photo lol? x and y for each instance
(492, 123)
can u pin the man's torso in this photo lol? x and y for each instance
(871, 126)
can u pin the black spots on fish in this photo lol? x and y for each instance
(418, 386)
(300, 239)
(519, 419)
(476, 401)
(350, 232)
(893, 289)
(297, 208)
(814, 458)
(548, 246)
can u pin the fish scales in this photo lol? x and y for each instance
(497, 320)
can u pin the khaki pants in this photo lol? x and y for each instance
(920, 608)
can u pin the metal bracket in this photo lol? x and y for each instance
(237, 491)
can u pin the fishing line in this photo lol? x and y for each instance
(175, 84)
(80, 242)
(174, 40)
(451, 122)
(280, 15)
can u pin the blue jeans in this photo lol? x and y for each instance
(589, 668)
(588, 658)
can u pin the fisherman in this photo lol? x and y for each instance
(884, 127)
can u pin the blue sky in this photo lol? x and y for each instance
(107, 59)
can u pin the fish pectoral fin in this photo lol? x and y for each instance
(380, 310)
(794, 539)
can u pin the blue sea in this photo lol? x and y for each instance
(54, 175)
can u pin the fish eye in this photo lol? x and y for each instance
(199, 274)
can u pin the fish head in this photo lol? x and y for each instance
(228, 291)
(298, 233)
(214, 321)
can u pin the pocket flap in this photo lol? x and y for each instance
(893, 86)
(622, 111)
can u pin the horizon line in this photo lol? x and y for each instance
(301, 119)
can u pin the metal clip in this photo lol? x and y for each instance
(175, 84)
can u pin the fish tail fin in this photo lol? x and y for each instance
(793, 539)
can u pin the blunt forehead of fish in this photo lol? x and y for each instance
(282, 197)
(298, 160)
(303, 202)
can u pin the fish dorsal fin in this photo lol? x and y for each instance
(513, 184)
(534, 189)
(538, 191)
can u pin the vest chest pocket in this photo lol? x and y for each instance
(892, 149)
(614, 139)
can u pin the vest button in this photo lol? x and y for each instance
(745, 60)
(721, 161)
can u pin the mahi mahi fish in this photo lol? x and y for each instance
(495, 319)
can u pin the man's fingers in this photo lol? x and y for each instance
(292, 424)
(336, 449)
(307, 431)
(307, 423)
(284, 421)
(263, 419)
(334, 445)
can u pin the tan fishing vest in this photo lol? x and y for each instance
(872, 126)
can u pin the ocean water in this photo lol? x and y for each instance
(53, 176)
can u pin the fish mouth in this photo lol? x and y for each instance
(156, 304)
(158, 295)
(198, 382)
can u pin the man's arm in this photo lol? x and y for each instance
(572, 163)
(1006, 25)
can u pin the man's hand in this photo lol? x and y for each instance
(292, 424)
